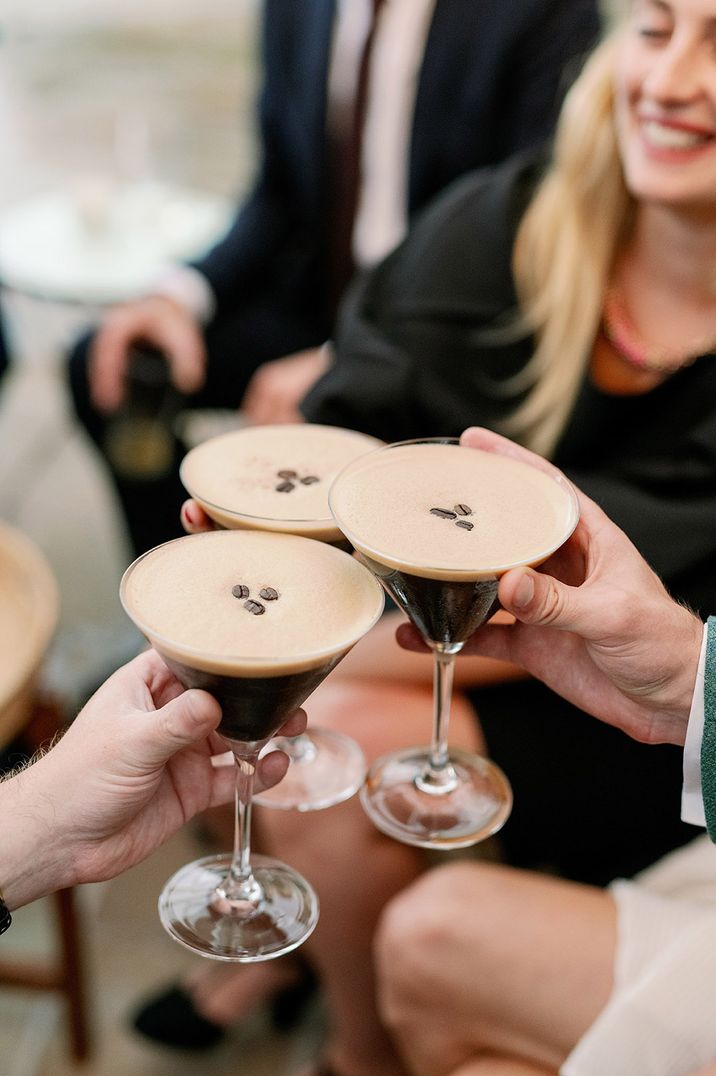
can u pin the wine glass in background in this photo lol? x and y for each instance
(276, 478)
(438, 524)
(258, 620)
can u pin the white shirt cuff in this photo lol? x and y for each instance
(188, 287)
(692, 802)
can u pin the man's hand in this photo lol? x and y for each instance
(133, 767)
(596, 624)
(159, 321)
(277, 388)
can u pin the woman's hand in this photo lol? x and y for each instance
(194, 519)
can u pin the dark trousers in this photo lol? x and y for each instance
(590, 804)
(237, 344)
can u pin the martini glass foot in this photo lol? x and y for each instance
(471, 802)
(280, 916)
(326, 768)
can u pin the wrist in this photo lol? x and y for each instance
(693, 639)
(34, 859)
(189, 289)
(692, 656)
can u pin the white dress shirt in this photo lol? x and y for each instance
(396, 58)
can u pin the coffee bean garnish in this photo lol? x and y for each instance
(290, 478)
(459, 510)
(269, 594)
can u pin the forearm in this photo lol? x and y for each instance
(33, 858)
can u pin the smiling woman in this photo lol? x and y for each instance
(665, 106)
(573, 305)
(666, 103)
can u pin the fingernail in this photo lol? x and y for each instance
(525, 591)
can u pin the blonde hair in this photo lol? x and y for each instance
(564, 252)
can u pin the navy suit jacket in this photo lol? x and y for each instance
(491, 81)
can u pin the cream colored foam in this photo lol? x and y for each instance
(179, 595)
(520, 514)
(234, 476)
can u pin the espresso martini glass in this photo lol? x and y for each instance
(198, 600)
(438, 524)
(276, 478)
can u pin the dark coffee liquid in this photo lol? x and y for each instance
(443, 610)
(253, 707)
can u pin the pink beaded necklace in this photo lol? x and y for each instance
(629, 345)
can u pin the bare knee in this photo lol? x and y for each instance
(431, 936)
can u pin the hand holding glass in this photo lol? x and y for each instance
(258, 620)
(438, 524)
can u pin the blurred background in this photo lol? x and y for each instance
(103, 106)
(127, 136)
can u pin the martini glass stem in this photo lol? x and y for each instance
(240, 887)
(439, 777)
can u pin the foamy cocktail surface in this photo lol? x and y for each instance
(442, 511)
(273, 477)
(250, 603)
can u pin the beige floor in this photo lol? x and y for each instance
(67, 70)
(129, 956)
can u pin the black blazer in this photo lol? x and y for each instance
(490, 85)
(414, 359)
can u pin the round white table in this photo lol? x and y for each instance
(101, 244)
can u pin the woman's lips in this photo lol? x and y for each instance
(670, 138)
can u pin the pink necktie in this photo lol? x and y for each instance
(345, 161)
